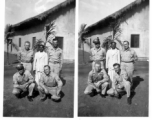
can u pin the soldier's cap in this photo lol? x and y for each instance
(42, 44)
(19, 67)
(96, 41)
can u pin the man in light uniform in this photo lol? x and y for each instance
(25, 56)
(55, 57)
(120, 83)
(112, 56)
(98, 54)
(128, 58)
(98, 80)
(40, 60)
(23, 82)
(50, 83)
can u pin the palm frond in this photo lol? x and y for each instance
(15, 46)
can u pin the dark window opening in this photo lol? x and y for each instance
(60, 42)
(33, 41)
(19, 42)
(135, 40)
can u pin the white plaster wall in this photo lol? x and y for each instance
(65, 27)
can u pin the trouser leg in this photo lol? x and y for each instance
(37, 77)
(31, 88)
(127, 86)
(41, 91)
(27, 66)
(53, 92)
(110, 91)
(104, 87)
(16, 92)
(51, 66)
(88, 89)
(57, 68)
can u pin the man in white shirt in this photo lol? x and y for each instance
(40, 60)
(112, 56)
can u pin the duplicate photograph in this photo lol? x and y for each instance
(39, 58)
(113, 58)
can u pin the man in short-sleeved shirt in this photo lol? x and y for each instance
(120, 83)
(55, 57)
(23, 82)
(97, 80)
(98, 54)
(25, 56)
(50, 83)
(128, 58)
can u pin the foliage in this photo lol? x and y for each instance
(116, 30)
(81, 34)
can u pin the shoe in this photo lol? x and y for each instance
(30, 98)
(43, 98)
(117, 96)
(129, 101)
(103, 96)
(55, 98)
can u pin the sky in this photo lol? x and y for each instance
(19, 10)
(91, 11)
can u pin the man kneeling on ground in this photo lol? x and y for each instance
(120, 83)
(50, 83)
(97, 80)
(23, 82)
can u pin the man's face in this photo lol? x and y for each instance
(46, 70)
(21, 72)
(55, 44)
(113, 45)
(97, 45)
(97, 67)
(41, 48)
(117, 68)
(27, 46)
(126, 45)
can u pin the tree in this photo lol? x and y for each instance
(116, 32)
(81, 39)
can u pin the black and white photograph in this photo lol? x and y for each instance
(39, 42)
(113, 58)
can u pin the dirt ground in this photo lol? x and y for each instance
(14, 107)
(98, 106)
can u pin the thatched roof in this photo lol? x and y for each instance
(105, 22)
(38, 18)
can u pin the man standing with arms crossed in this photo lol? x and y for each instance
(25, 56)
(128, 58)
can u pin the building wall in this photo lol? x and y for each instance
(135, 22)
(65, 27)
(138, 24)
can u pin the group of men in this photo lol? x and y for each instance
(112, 71)
(45, 65)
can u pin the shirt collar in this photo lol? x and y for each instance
(127, 49)
(97, 49)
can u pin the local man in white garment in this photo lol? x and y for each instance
(112, 56)
(40, 60)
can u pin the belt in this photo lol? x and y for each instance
(26, 61)
(55, 62)
(127, 61)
